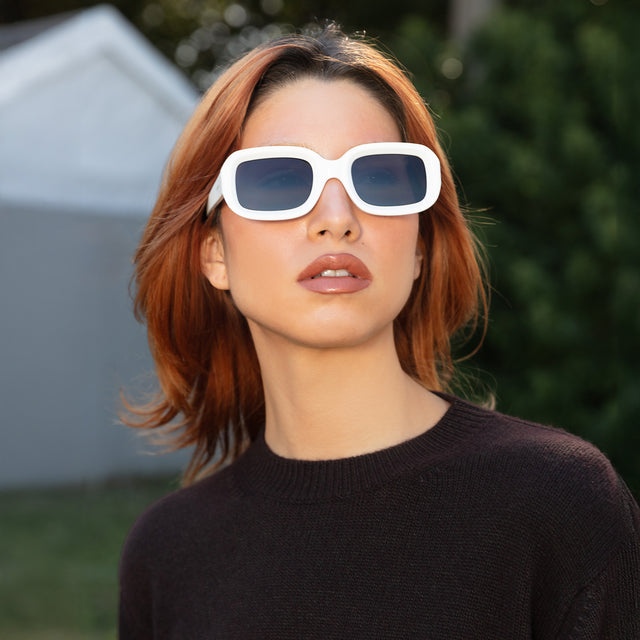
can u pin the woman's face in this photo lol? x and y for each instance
(269, 266)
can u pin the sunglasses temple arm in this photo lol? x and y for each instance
(215, 196)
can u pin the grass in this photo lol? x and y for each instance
(59, 552)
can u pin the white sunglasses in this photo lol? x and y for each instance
(285, 182)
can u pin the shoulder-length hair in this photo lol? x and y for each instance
(211, 394)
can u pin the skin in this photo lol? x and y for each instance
(333, 382)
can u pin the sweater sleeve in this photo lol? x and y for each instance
(128, 624)
(134, 606)
(608, 608)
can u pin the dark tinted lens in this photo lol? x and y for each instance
(273, 184)
(389, 180)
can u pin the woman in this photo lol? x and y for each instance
(302, 276)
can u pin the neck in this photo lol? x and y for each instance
(339, 402)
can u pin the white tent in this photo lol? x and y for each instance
(88, 114)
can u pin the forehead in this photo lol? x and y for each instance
(319, 113)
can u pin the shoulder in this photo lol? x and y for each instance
(564, 499)
(177, 520)
(538, 451)
(168, 543)
(566, 485)
(546, 491)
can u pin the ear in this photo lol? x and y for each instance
(212, 261)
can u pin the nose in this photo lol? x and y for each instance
(334, 214)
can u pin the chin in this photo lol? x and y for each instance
(336, 337)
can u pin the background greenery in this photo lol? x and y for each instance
(59, 552)
(539, 113)
(544, 137)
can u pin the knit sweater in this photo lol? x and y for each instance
(484, 527)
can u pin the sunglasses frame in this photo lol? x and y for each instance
(323, 171)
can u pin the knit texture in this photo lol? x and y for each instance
(483, 527)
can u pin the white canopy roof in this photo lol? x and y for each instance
(89, 111)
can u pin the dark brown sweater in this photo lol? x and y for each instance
(484, 527)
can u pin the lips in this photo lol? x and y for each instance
(335, 273)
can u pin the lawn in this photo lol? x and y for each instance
(59, 551)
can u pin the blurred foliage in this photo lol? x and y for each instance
(203, 35)
(543, 134)
(538, 114)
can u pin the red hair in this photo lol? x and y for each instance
(211, 393)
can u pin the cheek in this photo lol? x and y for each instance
(242, 244)
(403, 248)
(246, 266)
(257, 257)
(240, 255)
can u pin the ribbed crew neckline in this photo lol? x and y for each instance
(260, 470)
